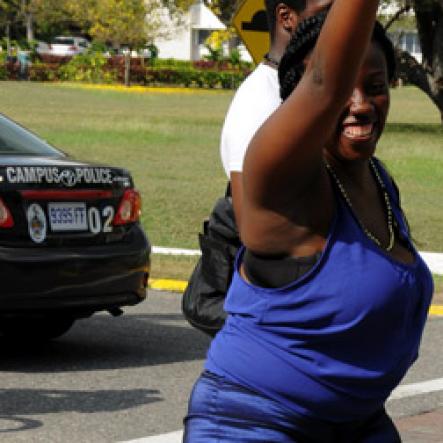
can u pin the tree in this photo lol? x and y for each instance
(16, 12)
(118, 22)
(53, 17)
(19, 12)
(427, 75)
(223, 9)
(25, 14)
(163, 17)
(7, 15)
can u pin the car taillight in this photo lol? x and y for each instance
(129, 209)
(6, 220)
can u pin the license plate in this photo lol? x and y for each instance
(67, 216)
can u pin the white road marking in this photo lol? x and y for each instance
(171, 437)
(413, 389)
(174, 251)
(402, 391)
(434, 260)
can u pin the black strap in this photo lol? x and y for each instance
(228, 192)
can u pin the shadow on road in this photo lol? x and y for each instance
(11, 423)
(102, 342)
(17, 402)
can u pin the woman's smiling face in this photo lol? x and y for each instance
(363, 118)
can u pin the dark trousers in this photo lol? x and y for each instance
(223, 412)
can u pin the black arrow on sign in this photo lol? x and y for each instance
(258, 23)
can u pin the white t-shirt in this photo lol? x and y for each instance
(255, 100)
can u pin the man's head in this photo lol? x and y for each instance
(287, 14)
(284, 17)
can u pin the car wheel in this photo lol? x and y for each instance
(34, 329)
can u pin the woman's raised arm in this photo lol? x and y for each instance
(286, 153)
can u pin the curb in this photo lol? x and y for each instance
(161, 284)
(180, 285)
(436, 310)
(141, 89)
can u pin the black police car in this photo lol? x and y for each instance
(70, 239)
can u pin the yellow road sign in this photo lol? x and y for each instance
(251, 25)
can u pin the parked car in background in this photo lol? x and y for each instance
(42, 47)
(71, 243)
(64, 46)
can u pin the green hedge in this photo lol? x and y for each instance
(190, 77)
(4, 75)
(170, 63)
(91, 67)
(97, 69)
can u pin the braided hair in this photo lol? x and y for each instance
(291, 67)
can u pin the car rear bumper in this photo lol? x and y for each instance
(80, 280)
(62, 52)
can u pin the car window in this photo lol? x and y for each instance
(63, 41)
(16, 140)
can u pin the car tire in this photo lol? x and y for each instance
(31, 329)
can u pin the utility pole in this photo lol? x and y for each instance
(28, 20)
(8, 39)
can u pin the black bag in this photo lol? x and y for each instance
(203, 299)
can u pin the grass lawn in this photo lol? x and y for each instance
(170, 144)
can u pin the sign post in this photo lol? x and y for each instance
(251, 24)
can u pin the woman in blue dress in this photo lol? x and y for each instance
(329, 296)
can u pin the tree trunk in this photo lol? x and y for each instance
(8, 39)
(29, 22)
(411, 71)
(428, 76)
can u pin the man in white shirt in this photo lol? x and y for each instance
(259, 95)
(255, 100)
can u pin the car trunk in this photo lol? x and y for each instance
(55, 202)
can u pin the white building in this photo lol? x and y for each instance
(407, 41)
(187, 41)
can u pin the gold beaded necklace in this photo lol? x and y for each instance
(368, 233)
(270, 61)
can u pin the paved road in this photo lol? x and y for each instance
(109, 379)
(117, 379)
